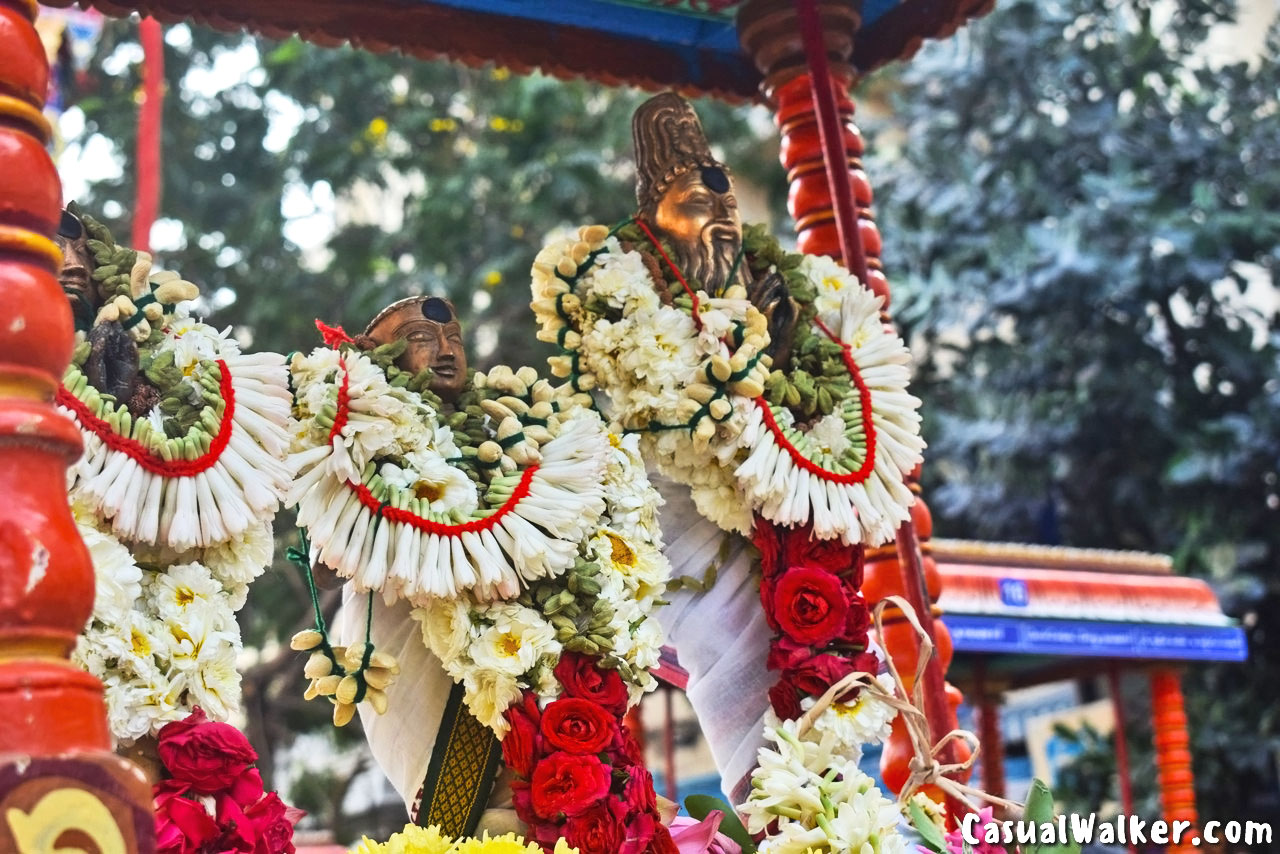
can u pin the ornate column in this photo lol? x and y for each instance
(803, 47)
(59, 782)
(1173, 752)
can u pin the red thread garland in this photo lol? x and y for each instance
(139, 452)
(343, 402)
(405, 517)
(697, 321)
(864, 396)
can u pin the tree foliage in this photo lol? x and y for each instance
(1083, 222)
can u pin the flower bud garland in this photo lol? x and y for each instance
(826, 442)
(413, 502)
(195, 459)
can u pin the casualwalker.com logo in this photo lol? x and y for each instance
(1122, 830)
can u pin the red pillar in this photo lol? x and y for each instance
(989, 731)
(58, 777)
(803, 48)
(1173, 752)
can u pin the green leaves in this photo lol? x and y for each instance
(930, 835)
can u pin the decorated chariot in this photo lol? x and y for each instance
(725, 438)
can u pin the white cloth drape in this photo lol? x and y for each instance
(721, 636)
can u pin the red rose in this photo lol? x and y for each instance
(578, 726)
(857, 622)
(272, 824)
(581, 678)
(641, 828)
(626, 750)
(567, 783)
(801, 548)
(785, 654)
(765, 536)
(595, 831)
(637, 791)
(182, 825)
(521, 740)
(247, 788)
(819, 673)
(785, 700)
(808, 604)
(210, 756)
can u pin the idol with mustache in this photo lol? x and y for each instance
(687, 197)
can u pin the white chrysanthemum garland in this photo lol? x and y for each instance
(393, 504)
(688, 373)
(162, 640)
(176, 504)
(601, 607)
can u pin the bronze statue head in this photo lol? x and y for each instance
(430, 326)
(684, 192)
(77, 270)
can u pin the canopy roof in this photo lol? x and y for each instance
(687, 45)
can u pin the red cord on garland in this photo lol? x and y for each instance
(148, 180)
(697, 321)
(333, 335)
(393, 514)
(344, 399)
(139, 452)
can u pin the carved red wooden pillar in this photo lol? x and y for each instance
(59, 782)
(1173, 752)
(803, 48)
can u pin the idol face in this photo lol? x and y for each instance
(699, 214)
(434, 337)
(77, 267)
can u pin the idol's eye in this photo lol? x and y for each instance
(418, 337)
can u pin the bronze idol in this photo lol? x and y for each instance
(430, 327)
(686, 195)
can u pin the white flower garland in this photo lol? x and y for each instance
(498, 649)
(671, 373)
(420, 529)
(161, 640)
(207, 489)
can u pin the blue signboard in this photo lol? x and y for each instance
(971, 633)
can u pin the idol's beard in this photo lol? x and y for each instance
(709, 260)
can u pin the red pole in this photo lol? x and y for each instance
(58, 776)
(835, 159)
(832, 136)
(147, 200)
(1123, 774)
(989, 731)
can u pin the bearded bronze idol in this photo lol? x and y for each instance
(687, 196)
(430, 327)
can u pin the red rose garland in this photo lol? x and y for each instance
(213, 801)
(809, 590)
(579, 772)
